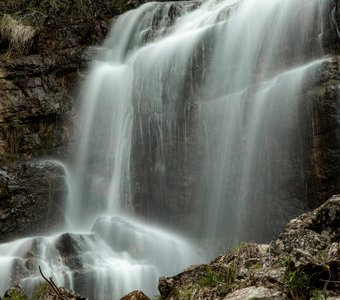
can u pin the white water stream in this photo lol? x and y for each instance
(238, 69)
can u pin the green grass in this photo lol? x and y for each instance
(318, 295)
(223, 279)
(297, 284)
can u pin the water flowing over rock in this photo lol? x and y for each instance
(205, 117)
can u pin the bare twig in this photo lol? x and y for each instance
(53, 286)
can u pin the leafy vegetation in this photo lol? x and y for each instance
(318, 295)
(297, 283)
(184, 294)
(222, 278)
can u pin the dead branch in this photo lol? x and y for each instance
(53, 286)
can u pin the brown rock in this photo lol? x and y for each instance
(135, 295)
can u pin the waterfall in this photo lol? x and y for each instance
(190, 121)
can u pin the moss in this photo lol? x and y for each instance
(15, 293)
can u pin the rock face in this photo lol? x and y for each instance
(32, 199)
(303, 262)
(135, 295)
(37, 105)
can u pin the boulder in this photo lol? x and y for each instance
(311, 234)
(135, 295)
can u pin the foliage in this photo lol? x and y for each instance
(285, 261)
(19, 36)
(15, 294)
(221, 278)
(318, 295)
(297, 283)
(184, 294)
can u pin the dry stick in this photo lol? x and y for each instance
(53, 286)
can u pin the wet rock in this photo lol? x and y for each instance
(135, 295)
(31, 199)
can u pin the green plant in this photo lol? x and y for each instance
(183, 294)
(256, 266)
(221, 278)
(285, 261)
(15, 293)
(297, 283)
(318, 295)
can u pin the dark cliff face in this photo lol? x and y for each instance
(38, 77)
(38, 110)
(38, 87)
(321, 121)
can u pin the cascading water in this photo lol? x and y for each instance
(190, 115)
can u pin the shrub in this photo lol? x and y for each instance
(297, 283)
(222, 278)
(19, 36)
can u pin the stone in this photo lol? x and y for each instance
(311, 233)
(135, 295)
(32, 199)
(256, 292)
